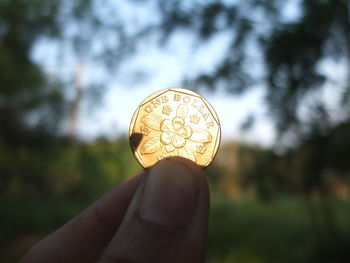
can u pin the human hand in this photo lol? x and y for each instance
(159, 215)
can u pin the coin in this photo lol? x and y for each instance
(174, 122)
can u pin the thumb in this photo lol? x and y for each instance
(167, 220)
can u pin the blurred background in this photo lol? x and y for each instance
(276, 71)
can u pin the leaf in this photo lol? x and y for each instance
(182, 111)
(152, 121)
(201, 135)
(187, 153)
(151, 145)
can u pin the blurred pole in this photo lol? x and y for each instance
(74, 104)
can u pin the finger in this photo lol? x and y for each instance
(167, 219)
(84, 238)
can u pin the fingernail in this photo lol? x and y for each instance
(170, 194)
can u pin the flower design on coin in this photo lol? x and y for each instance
(200, 148)
(167, 110)
(145, 130)
(194, 118)
(174, 122)
(174, 135)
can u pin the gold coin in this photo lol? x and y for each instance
(174, 122)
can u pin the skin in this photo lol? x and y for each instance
(158, 215)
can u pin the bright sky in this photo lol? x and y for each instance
(166, 68)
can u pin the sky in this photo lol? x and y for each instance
(113, 118)
(159, 68)
(167, 68)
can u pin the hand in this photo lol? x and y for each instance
(159, 215)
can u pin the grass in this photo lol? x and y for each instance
(239, 231)
(274, 231)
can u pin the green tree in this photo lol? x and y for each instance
(289, 54)
(33, 103)
(289, 51)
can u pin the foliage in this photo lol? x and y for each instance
(27, 96)
(267, 48)
(64, 169)
(278, 231)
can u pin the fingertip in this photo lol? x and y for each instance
(170, 195)
(193, 169)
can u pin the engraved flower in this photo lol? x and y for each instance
(167, 110)
(194, 118)
(200, 148)
(174, 134)
(145, 130)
